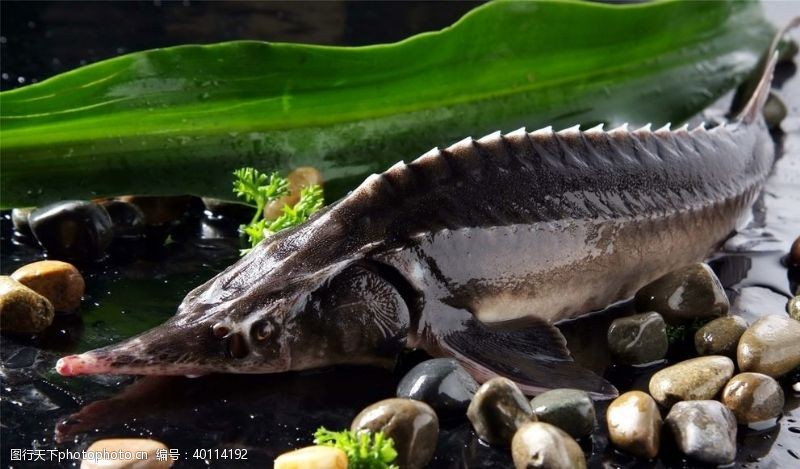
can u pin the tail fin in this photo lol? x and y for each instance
(759, 95)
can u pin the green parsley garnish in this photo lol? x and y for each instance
(259, 189)
(364, 450)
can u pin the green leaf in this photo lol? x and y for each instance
(177, 120)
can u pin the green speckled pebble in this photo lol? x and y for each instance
(571, 410)
(638, 339)
(720, 336)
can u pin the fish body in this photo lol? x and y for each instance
(473, 251)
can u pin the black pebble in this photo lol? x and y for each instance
(74, 230)
(442, 384)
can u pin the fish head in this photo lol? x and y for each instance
(245, 321)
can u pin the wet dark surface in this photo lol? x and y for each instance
(270, 414)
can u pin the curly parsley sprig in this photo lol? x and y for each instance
(364, 449)
(259, 189)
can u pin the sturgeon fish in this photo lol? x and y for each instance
(471, 252)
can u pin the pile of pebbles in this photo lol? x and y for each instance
(695, 405)
(32, 295)
(122, 228)
(126, 227)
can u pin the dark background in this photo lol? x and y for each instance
(41, 39)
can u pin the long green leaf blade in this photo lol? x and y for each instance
(179, 120)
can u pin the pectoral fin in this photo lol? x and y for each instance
(534, 356)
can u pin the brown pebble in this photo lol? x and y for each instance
(794, 252)
(695, 379)
(497, 410)
(753, 397)
(299, 178)
(720, 336)
(541, 445)
(312, 457)
(22, 310)
(59, 282)
(127, 453)
(770, 346)
(634, 424)
(413, 425)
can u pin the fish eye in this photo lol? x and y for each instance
(263, 329)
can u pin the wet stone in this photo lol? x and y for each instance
(413, 426)
(638, 339)
(753, 397)
(127, 219)
(236, 212)
(441, 383)
(794, 253)
(720, 336)
(22, 310)
(299, 178)
(72, 230)
(118, 448)
(312, 457)
(770, 346)
(634, 424)
(793, 308)
(704, 430)
(685, 294)
(571, 410)
(497, 411)
(19, 218)
(59, 282)
(162, 210)
(696, 379)
(541, 445)
(774, 111)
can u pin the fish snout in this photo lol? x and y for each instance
(89, 363)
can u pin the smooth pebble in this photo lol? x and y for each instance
(22, 310)
(770, 346)
(413, 425)
(704, 430)
(541, 445)
(60, 282)
(498, 409)
(695, 379)
(571, 410)
(634, 424)
(684, 294)
(753, 397)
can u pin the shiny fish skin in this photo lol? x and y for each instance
(473, 251)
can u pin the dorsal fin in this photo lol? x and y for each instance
(755, 104)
